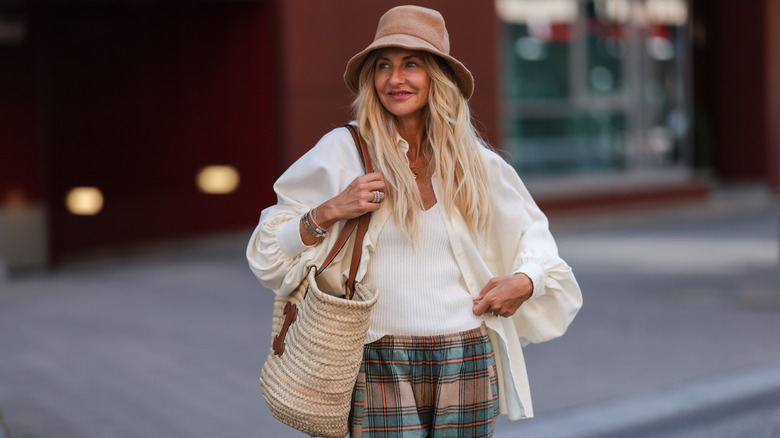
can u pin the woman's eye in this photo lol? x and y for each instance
(382, 66)
(411, 64)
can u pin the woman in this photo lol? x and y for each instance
(467, 269)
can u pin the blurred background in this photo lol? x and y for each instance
(140, 139)
(138, 121)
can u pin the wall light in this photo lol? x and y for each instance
(670, 12)
(84, 201)
(217, 180)
(537, 11)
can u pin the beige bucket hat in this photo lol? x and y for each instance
(412, 28)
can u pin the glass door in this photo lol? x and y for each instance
(595, 86)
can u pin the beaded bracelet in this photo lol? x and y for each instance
(316, 231)
(313, 220)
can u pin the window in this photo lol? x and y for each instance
(595, 86)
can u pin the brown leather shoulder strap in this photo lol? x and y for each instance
(361, 148)
(357, 251)
(359, 223)
(349, 227)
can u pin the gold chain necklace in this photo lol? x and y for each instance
(415, 174)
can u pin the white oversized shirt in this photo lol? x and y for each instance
(517, 240)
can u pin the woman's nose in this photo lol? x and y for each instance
(396, 76)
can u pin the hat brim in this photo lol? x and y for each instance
(463, 77)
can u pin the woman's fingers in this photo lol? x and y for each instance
(364, 194)
(368, 188)
(368, 183)
(502, 296)
(373, 176)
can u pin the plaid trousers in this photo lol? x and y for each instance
(427, 386)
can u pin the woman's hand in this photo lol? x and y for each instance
(502, 296)
(356, 199)
(362, 195)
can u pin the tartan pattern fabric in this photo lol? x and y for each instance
(426, 386)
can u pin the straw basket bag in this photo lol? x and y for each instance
(310, 372)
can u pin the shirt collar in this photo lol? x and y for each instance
(402, 143)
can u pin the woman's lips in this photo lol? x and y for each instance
(399, 94)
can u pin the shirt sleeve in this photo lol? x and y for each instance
(520, 241)
(276, 254)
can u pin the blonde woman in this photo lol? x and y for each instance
(467, 269)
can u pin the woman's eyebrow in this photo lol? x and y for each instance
(405, 58)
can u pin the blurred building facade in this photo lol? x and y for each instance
(143, 121)
(617, 100)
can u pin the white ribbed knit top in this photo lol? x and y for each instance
(422, 291)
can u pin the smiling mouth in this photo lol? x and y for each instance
(399, 93)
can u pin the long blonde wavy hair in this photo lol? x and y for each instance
(453, 147)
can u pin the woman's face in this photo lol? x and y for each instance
(401, 82)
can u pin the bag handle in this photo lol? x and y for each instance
(359, 223)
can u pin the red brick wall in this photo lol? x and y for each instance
(21, 162)
(772, 97)
(744, 74)
(139, 99)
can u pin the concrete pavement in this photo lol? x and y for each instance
(682, 311)
(743, 404)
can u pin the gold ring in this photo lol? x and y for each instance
(494, 315)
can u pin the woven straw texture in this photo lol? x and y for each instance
(309, 387)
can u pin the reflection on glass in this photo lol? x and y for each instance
(595, 85)
(666, 120)
(576, 144)
(537, 56)
(537, 66)
(606, 41)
